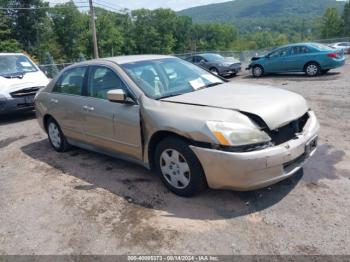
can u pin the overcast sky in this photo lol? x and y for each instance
(150, 4)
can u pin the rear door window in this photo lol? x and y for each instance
(297, 50)
(71, 82)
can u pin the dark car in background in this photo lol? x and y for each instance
(217, 64)
(312, 58)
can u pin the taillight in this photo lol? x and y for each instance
(332, 55)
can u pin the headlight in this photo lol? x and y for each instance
(233, 134)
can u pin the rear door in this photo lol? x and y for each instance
(110, 125)
(299, 56)
(66, 99)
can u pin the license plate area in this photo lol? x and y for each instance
(29, 100)
(311, 146)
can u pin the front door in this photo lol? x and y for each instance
(110, 125)
(277, 61)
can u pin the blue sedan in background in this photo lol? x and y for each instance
(312, 58)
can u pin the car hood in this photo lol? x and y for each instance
(32, 79)
(275, 106)
(257, 57)
(231, 60)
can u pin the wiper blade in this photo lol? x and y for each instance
(210, 85)
(16, 75)
(170, 95)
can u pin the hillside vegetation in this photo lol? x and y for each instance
(250, 15)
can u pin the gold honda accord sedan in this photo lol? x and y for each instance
(189, 126)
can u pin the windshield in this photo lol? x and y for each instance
(15, 64)
(213, 57)
(169, 77)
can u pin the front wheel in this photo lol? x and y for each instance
(214, 71)
(257, 71)
(312, 69)
(178, 167)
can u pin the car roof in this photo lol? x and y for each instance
(3, 54)
(120, 59)
(135, 58)
(298, 44)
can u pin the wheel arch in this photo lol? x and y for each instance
(154, 141)
(259, 65)
(311, 62)
(45, 119)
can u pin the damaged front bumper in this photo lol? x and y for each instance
(12, 105)
(261, 168)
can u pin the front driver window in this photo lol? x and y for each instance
(279, 53)
(101, 80)
(71, 82)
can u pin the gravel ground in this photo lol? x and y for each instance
(85, 203)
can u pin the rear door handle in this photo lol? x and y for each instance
(55, 101)
(88, 108)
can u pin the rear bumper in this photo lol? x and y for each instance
(334, 64)
(257, 169)
(12, 105)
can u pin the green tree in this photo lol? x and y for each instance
(71, 28)
(332, 24)
(346, 18)
(7, 42)
(27, 23)
(109, 35)
(51, 69)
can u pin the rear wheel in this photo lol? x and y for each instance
(178, 167)
(57, 139)
(257, 71)
(312, 69)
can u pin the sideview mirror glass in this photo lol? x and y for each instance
(117, 95)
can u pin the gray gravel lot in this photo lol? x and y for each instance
(85, 203)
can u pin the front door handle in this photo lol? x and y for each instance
(52, 100)
(88, 108)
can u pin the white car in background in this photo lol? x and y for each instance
(342, 45)
(20, 80)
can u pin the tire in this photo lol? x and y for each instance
(214, 71)
(312, 69)
(257, 71)
(178, 167)
(56, 137)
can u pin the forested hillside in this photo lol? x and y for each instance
(250, 15)
(62, 33)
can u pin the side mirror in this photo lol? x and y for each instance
(117, 95)
(202, 61)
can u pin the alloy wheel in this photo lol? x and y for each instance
(312, 70)
(175, 168)
(54, 135)
(257, 71)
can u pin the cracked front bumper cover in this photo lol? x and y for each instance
(261, 168)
